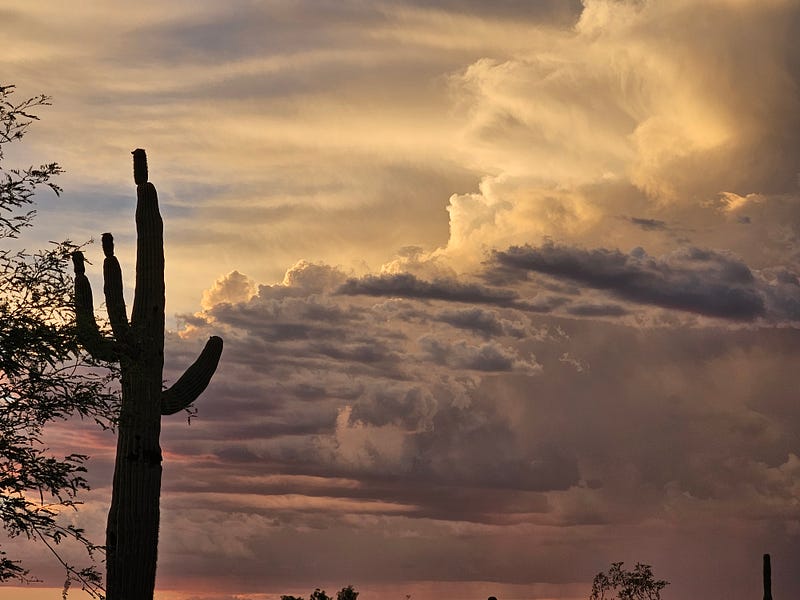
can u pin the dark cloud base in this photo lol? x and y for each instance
(700, 281)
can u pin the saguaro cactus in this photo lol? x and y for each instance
(138, 345)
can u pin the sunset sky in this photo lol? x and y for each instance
(509, 290)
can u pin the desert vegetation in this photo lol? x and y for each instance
(346, 593)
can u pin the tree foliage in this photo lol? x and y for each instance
(44, 377)
(346, 593)
(639, 584)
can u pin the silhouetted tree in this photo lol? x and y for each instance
(638, 584)
(347, 593)
(138, 346)
(43, 375)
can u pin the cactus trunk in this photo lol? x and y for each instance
(133, 518)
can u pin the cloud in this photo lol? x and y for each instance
(670, 427)
(597, 310)
(523, 122)
(565, 13)
(232, 288)
(393, 382)
(691, 124)
(701, 281)
(485, 357)
(648, 224)
(483, 321)
(782, 292)
(406, 285)
(307, 277)
(608, 121)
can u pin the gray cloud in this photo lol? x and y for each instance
(482, 321)
(782, 291)
(349, 388)
(670, 425)
(701, 281)
(406, 285)
(556, 12)
(487, 357)
(597, 310)
(648, 224)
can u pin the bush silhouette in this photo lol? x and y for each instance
(346, 593)
(638, 584)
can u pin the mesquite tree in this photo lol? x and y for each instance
(44, 376)
(639, 584)
(138, 347)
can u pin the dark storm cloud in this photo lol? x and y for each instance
(466, 439)
(406, 285)
(597, 310)
(482, 321)
(695, 280)
(488, 357)
(685, 391)
(294, 317)
(783, 293)
(490, 456)
(648, 224)
(337, 386)
(545, 304)
(403, 405)
(705, 422)
(478, 446)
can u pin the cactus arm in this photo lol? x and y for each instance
(196, 378)
(89, 334)
(115, 301)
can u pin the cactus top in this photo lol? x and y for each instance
(139, 166)
(108, 244)
(77, 262)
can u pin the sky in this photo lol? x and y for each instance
(509, 291)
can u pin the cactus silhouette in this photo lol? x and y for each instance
(138, 346)
(767, 569)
